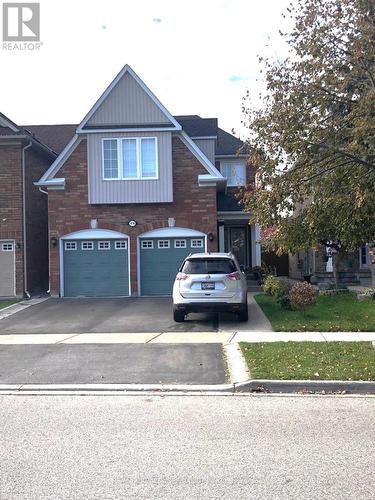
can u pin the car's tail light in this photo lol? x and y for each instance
(234, 276)
(181, 276)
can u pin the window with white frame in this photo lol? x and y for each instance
(163, 243)
(121, 245)
(104, 245)
(70, 245)
(7, 247)
(234, 172)
(197, 243)
(180, 243)
(147, 244)
(87, 245)
(130, 158)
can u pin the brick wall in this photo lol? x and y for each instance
(11, 202)
(11, 213)
(193, 207)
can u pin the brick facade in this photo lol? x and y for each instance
(11, 213)
(193, 207)
(11, 202)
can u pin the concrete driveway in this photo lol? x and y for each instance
(122, 315)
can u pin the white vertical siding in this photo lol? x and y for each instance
(207, 146)
(128, 104)
(133, 191)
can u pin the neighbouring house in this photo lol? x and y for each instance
(23, 211)
(135, 190)
(354, 268)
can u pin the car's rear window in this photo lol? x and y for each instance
(209, 266)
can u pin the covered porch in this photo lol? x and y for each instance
(236, 234)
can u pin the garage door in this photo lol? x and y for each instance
(96, 268)
(7, 263)
(160, 259)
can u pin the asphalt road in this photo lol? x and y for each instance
(255, 447)
(113, 364)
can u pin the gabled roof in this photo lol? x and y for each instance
(9, 129)
(227, 144)
(54, 136)
(195, 126)
(127, 73)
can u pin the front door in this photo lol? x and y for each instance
(238, 244)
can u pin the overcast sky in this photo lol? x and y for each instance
(197, 56)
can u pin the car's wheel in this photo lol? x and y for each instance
(243, 315)
(178, 316)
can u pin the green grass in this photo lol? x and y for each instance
(331, 313)
(6, 303)
(310, 360)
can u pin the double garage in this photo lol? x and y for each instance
(96, 262)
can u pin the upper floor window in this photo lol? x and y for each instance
(130, 158)
(235, 173)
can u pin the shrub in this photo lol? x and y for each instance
(282, 294)
(302, 295)
(370, 292)
(271, 285)
(284, 301)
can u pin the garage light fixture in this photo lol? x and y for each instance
(54, 241)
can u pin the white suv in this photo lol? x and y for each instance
(211, 282)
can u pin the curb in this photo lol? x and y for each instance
(306, 386)
(297, 387)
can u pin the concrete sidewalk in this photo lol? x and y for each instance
(222, 337)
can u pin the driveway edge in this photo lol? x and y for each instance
(301, 387)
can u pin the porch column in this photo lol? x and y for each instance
(221, 238)
(256, 259)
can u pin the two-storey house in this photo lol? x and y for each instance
(23, 211)
(135, 190)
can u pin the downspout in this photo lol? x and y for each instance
(24, 220)
(49, 257)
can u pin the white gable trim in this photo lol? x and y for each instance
(173, 232)
(102, 98)
(94, 234)
(215, 175)
(133, 129)
(5, 122)
(45, 180)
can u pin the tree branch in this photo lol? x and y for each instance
(343, 153)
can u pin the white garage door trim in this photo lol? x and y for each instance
(89, 234)
(13, 242)
(165, 232)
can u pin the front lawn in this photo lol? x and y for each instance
(331, 313)
(310, 360)
(6, 303)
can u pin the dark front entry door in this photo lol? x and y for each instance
(238, 244)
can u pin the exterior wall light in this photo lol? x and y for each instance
(211, 236)
(54, 241)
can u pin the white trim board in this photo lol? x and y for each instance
(102, 98)
(172, 232)
(59, 162)
(197, 152)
